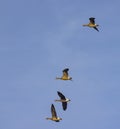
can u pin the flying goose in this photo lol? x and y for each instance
(54, 115)
(92, 23)
(65, 75)
(63, 99)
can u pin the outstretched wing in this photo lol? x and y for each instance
(64, 105)
(53, 111)
(92, 20)
(96, 28)
(61, 95)
(65, 72)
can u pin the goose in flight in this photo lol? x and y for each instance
(92, 23)
(65, 75)
(63, 99)
(54, 115)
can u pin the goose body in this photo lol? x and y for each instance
(54, 115)
(92, 24)
(65, 75)
(63, 100)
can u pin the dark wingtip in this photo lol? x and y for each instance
(64, 109)
(91, 18)
(52, 105)
(57, 121)
(66, 69)
(58, 92)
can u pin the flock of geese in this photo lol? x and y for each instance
(66, 76)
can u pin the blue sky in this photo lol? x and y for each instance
(39, 38)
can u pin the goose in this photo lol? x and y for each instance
(54, 115)
(65, 75)
(63, 99)
(92, 23)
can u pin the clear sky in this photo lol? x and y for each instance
(38, 39)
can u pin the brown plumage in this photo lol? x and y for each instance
(63, 99)
(54, 115)
(65, 75)
(92, 23)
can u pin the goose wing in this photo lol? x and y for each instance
(96, 28)
(92, 20)
(65, 72)
(53, 111)
(61, 95)
(64, 105)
